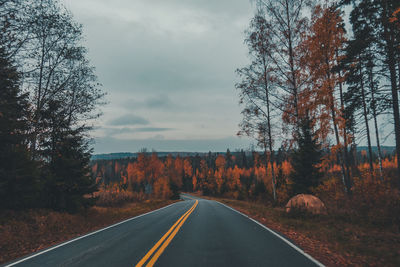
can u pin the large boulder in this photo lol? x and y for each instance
(307, 203)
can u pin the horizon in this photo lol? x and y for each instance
(234, 150)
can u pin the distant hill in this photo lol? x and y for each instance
(121, 155)
(385, 149)
(118, 155)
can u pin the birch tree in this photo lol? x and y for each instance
(287, 22)
(256, 90)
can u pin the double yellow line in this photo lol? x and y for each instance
(174, 229)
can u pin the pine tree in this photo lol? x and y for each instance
(68, 155)
(305, 159)
(19, 185)
(377, 15)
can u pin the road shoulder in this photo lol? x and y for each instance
(28, 232)
(326, 241)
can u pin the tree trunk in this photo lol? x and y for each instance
(336, 130)
(271, 151)
(374, 114)
(365, 115)
(345, 136)
(292, 70)
(272, 171)
(390, 58)
(354, 165)
(270, 145)
(340, 154)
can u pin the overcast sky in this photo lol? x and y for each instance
(168, 67)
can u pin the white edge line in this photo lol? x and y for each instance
(89, 234)
(281, 237)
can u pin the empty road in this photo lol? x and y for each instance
(193, 232)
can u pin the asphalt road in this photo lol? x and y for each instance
(194, 232)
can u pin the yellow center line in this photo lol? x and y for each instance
(162, 248)
(179, 222)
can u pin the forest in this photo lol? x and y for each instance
(247, 176)
(310, 94)
(313, 91)
(320, 84)
(49, 97)
(323, 79)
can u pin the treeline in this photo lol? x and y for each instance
(48, 95)
(239, 175)
(314, 87)
(246, 176)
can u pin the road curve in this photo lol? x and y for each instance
(194, 232)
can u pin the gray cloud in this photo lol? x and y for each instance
(128, 120)
(110, 144)
(170, 60)
(128, 130)
(148, 49)
(151, 129)
(160, 101)
(224, 7)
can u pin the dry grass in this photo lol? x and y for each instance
(26, 232)
(330, 240)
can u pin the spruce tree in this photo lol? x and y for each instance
(67, 152)
(19, 185)
(305, 159)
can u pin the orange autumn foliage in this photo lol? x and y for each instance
(187, 167)
(323, 44)
(395, 18)
(220, 162)
(194, 182)
(151, 177)
(286, 168)
(218, 175)
(161, 189)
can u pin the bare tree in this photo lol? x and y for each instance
(256, 91)
(12, 28)
(287, 22)
(56, 67)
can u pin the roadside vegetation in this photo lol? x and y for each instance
(333, 240)
(49, 99)
(362, 229)
(245, 176)
(320, 88)
(311, 94)
(28, 231)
